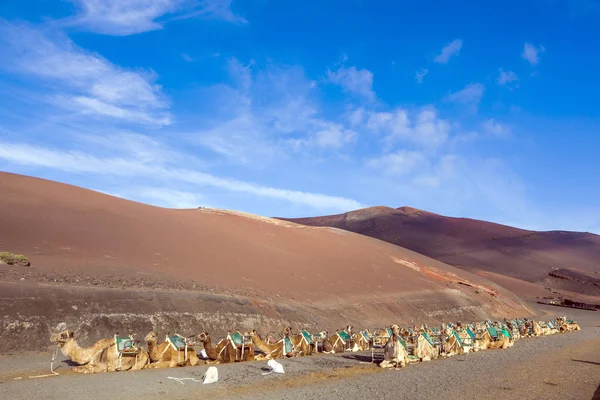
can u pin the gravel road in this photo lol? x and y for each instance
(563, 366)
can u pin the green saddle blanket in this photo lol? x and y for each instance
(288, 347)
(344, 336)
(366, 336)
(389, 331)
(403, 343)
(307, 336)
(493, 333)
(177, 341)
(505, 333)
(125, 344)
(428, 338)
(458, 338)
(237, 338)
(471, 334)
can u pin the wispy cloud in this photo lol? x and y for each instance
(266, 114)
(402, 162)
(531, 53)
(127, 17)
(82, 81)
(423, 127)
(353, 80)
(165, 197)
(187, 57)
(84, 162)
(471, 95)
(495, 128)
(506, 77)
(421, 74)
(451, 49)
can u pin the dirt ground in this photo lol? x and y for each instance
(563, 366)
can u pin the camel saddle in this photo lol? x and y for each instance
(237, 339)
(307, 336)
(344, 336)
(366, 336)
(288, 346)
(125, 345)
(177, 341)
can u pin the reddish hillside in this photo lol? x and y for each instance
(474, 245)
(87, 240)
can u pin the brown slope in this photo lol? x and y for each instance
(472, 244)
(67, 229)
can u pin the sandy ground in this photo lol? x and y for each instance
(563, 366)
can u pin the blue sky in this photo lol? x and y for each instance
(285, 108)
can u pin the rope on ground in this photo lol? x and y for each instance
(180, 380)
(54, 373)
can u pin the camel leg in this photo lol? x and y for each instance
(161, 364)
(90, 368)
(193, 359)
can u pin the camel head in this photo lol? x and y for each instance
(151, 337)
(62, 337)
(203, 336)
(251, 333)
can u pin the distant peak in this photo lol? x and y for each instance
(413, 211)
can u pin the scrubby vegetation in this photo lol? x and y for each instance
(13, 259)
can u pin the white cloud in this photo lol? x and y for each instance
(495, 128)
(470, 95)
(127, 17)
(129, 166)
(402, 162)
(353, 80)
(531, 53)
(167, 197)
(452, 49)
(82, 81)
(506, 77)
(421, 74)
(424, 127)
(267, 113)
(187, 57)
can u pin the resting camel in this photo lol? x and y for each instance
(566, 325)
(222, 354)
(80, 355)
(339, 341)
(300, 343)
(164, 355)
(425, 350)
(270, 351)
(394, 354)
(450, 343)
(108, 360)
(485, 341)
(360, 341)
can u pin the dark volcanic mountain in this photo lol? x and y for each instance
(481, 246)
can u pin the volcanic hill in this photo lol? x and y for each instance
(101, 265)
(512, 257)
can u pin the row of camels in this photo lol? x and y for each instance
(400, 346)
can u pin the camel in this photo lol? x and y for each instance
(270, 351)
(222, 354)
(452, 344)
(337, 343)
(110, 360)
(485, 341)
(361, 341)
(425, 348)
(567, 325)
(80, 355)
(301, 341)
(243, 351)
(394, 354)
(164, 355)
